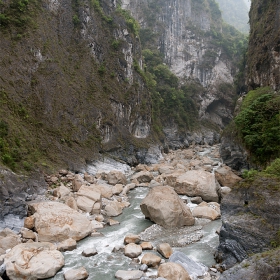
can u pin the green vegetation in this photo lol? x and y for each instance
(131, 22)
(99, 10)
(17, 13)
(171, 101)
(259, 124)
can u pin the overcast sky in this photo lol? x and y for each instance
(248, 3)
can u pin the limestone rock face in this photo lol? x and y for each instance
(163, 206)
(65, 222)
(33, 261)
(195, 183)
(173, 271)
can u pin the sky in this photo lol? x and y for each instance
(248, 3)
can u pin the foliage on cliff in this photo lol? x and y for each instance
(171, 101)
(258, 122)
(61, 69)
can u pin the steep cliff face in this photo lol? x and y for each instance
(250, 220)
(191, 37)
(264, 46)
(68, 82)
(250, 213)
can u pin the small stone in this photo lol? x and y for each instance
(29, 222)
(96, 234)
(99, 218)
(143, 267)
(67, 245)
(112, 222)
(151, 260)
(129, 275)
(132, 238)
(132, 250)
(89, 252)
(196, 199)
(165, 250)
(146, 246)
(76, 274)
(27, 234)
(63, 172)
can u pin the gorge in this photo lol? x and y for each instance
(134, 82)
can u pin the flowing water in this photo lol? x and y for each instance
(104, 265)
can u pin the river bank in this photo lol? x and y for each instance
(110, 200)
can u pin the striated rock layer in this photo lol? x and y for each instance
(250, 220)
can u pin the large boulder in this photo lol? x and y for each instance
(33, 261)
(116, 177)
(206, 211)
(195, 183)
(87, 198)
(55, 222)
(8, 239)
(226, 177)
(163, 206)
(113, 208)
(104, 189)
(173, 271)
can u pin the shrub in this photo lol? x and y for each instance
(274, 168)
(259, 125)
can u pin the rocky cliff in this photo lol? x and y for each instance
(264, 46)
(250, 213)
(250, 220)
(197, 46)
(68, 83)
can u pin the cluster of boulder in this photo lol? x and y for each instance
(76, 205)
(170, 265)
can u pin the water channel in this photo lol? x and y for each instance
(104, 265)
